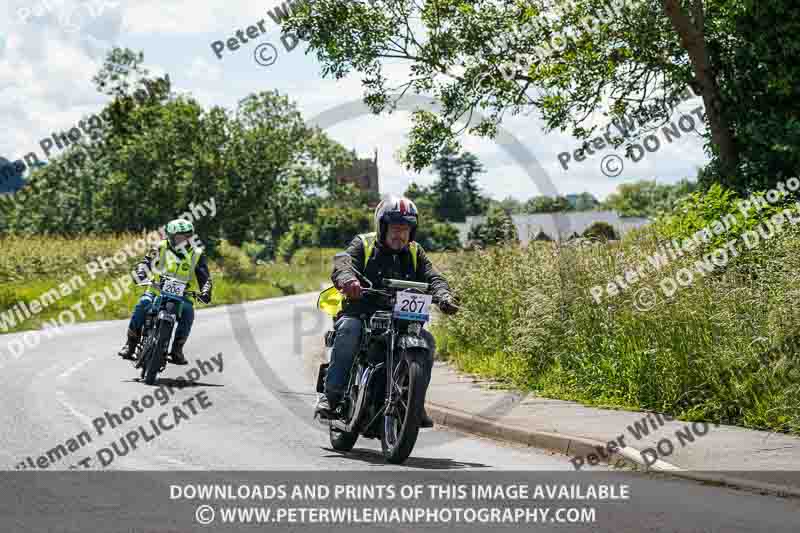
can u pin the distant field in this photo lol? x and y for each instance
(52, 272)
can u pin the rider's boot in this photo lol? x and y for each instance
(176, 356)
(326, 406)
(130, 345)
(427, 421)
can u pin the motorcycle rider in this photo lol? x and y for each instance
(392, 253)
(171, 256)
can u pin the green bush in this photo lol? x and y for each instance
(723, 349)
(438, 236)
(601, 231)
(254, 250)
(499, 228)
(337, 226)
(718, 210)
(235, 263)
(299, 235)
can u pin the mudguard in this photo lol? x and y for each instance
(411, 343)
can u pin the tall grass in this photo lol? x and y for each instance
(31, 266)
(722, 349)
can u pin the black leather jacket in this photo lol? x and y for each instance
(385, 263)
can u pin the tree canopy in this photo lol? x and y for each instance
(599, 56)
(265, 168)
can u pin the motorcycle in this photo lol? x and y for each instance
(391, 351)
(161, 322)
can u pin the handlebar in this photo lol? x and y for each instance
(386, 294)
(149, 283)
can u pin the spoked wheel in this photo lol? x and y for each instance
(156, 359)
(401, 428)
(145, 348)
(145, 354)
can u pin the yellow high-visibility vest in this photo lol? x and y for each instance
(330, 300)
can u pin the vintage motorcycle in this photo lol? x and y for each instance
(391, 351)
(160, 324)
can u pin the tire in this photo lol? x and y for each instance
(405, 436)
(147, 350)
(342, 441)
(159, 349)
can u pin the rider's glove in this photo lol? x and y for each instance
(352, 289)
(205, 294)
(447, 304)
(141, 274)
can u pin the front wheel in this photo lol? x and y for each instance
(158, 354)
(342, 441)
(401, 429)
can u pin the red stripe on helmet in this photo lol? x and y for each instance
(402, 207)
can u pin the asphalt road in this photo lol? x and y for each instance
(252, 410)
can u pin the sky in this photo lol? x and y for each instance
(50, 50)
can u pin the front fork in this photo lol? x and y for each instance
(178, 313)
(391, 390)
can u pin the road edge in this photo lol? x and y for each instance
(573, 446)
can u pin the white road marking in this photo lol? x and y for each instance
(173, 461)
(71, 409)
(66, 373)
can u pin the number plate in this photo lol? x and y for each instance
(173, 287)
(413, 306)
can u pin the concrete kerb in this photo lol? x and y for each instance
(479, 425)
(573, 446)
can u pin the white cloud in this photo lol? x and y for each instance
(202, 70)
(46, 86)
(194, 16)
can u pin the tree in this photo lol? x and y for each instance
(608, 56)
(349, 195)
(263, 166)
(474, 202)
(424, 198)
(300, 235)
(438, 236)
(338, 226)
(585, 202)
(647, 198)
(547, 204)
(499, 228)
(600, 231)
(449, 202)
(455, 193)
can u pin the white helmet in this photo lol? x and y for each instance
(395, 210)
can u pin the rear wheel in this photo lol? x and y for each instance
(400, 430)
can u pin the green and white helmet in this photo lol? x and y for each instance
(179, 226)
